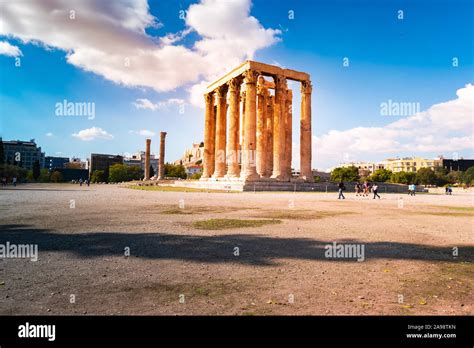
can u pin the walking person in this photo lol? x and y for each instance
(80, 182)
(375, 189)
(357, 189)
(14, 181)
(341, 188)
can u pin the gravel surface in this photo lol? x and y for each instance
(418, 253)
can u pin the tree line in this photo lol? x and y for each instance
(440, 176)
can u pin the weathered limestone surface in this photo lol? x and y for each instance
(161, 163)
(221, 127)
(209, 132)
(147, 159)
(249, 171)
(305, 132)
(233, 168)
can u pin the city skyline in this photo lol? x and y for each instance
(145, 67)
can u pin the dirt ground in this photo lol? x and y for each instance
(84, 233)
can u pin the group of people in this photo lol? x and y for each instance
(5, 181)
(85, 182)
(360, 189)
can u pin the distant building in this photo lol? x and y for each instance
(365, 168)
(138, 159)
(192, 156)
(103, 162)
(23, 153)
(51, 162)
(70, 174)
(460, 164)
(79, 164)
(410, 164)
(193, 169)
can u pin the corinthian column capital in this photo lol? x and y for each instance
(306, 87)
(209, 98)
(280, 82)
(234, 84)
(221, 91)
(251, 76)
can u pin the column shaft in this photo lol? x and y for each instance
(147, 159)
(279, 129)
(288, 131)
(233, 169)
(261, 122)
(209, 137)
(269, 137)
(161, 165)
(248, 152)
(305, 132)
(221, 128)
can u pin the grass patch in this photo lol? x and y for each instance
(175, 189)
(454, 208)
(188, 210)
(222, 224)
(301, 214)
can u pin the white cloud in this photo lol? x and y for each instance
(108, 38)
(443, 128)
(49, 134)
(9, 50)
(92, 134)
(143, 132)
(143, 103)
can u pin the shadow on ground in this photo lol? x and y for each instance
(254, 249)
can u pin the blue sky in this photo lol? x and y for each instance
(81, 60)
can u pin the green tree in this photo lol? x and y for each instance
(468, 176)
(426, 176)
(195, 176)
(98, 176)
(406, 178)
(175, 171)
(36, 170)
(381, 175)
(121, 172)
(56, 176)
(454, 177)
(45, 175)
(345, 174)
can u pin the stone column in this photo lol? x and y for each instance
(288, 131)
(279, 129)
(242, 98)
(221, 128)
(209, 137)
(249, 171)
(269, 137)
(161, 164)
(147, 159)
(261, 123)
(305, 132)
(233, 169)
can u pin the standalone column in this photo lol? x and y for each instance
(161, 165)
(209, 137)
(279, 129)
(269, 137)
(248, 152)
(147, 159)
(305, 132)
(233, 169)
(221, 128)
(261, 123)
(288, 131)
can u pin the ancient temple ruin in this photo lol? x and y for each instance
(248, 125)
